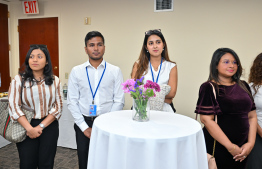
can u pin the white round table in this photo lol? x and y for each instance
(167, 141)
(66, 129)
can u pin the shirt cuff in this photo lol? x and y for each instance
(83, 126)
(16, 116)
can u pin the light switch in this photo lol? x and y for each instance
(87, 21)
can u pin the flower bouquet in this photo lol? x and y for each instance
(141, 94)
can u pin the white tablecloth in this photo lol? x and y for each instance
(66, 129)
(3, 142)
(167, 141)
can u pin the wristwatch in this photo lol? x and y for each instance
(42, 125)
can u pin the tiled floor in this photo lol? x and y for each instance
(65, 158)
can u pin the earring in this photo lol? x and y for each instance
(163, 49)
(147, 51)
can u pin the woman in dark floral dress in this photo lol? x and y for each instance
(235, 130)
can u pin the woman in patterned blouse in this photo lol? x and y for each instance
(42, 92)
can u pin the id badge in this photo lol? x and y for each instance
(92, 110)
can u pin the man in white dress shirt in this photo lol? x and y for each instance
(94, 88)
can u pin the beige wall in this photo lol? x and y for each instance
(193, 31)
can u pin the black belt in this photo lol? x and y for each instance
(92, 118)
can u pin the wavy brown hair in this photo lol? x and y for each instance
(144, 56)
(255, 75)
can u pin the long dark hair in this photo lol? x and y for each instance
(255, 75)
(213, 73)
(145, 56)
(27, 73)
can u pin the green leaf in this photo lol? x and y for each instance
(149, 92)
(133, 94)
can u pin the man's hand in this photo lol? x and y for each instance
(87, 132)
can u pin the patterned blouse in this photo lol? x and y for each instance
(44, 99)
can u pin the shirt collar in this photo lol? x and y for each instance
(87, 64)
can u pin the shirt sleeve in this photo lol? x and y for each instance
(206, 103)
(119, 97)
(14, 97)
(73, 100)
(57, 106)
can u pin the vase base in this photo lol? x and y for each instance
(139, 119)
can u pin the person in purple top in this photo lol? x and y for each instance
(235, 130)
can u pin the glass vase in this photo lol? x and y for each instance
(141, 110)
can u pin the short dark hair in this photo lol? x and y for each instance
(93, 34)
(27, 74)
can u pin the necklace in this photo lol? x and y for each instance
(40, 79)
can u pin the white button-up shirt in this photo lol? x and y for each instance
(109, 96)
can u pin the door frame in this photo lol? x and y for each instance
(16, 57)
(9, 41)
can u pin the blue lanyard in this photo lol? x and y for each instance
(158, 72)
(93, 95)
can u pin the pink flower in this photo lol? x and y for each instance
(157, 87)
(152, 85)
(128, 85)
(138, 90)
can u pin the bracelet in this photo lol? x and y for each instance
(233, 148)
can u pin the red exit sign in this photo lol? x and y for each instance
(30, 7)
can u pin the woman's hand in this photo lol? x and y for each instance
(234, 150)
(34, 132)
(246, 149)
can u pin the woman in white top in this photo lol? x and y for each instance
(154, 64)
(255, 80)
(40, 91)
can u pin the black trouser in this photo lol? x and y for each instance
(82, 143)
(39, 152)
